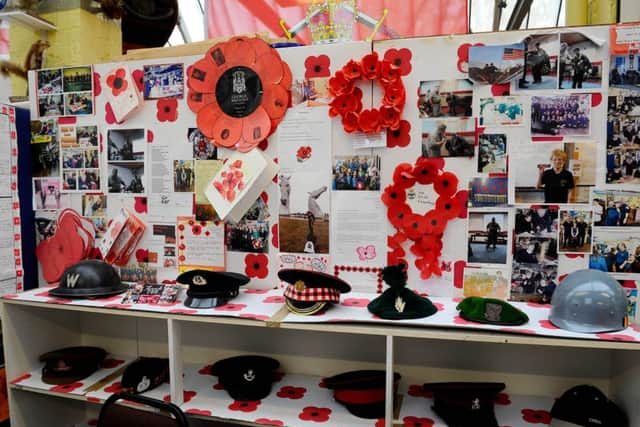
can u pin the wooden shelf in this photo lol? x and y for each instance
(28, 20)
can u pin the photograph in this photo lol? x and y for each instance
(49, 82)
(79, 103)
(126, 144)
(73, 159)
(575, 231)
(554, 173)
(100, 223)
(623, 119)
(313, 92)
(492, 153)
(183, 176)
(166, 230)
(163, 81)
(448, 137)
(486, 282)
(138, 273)
(487, 235)
(568, 115)
(91, 158)
(87, 136)
(69, 180)
(169, 251)
(615, 208)
(247, 236)
(360, 173)
(615, 252)
(89, 179)
(580, 62)
(501, 111)
(539, 221)
(50, 105)
(623, 165)
(533, 282)
(541, 62)
(304, 213)
(496, 64)
(203, 149)
(126, 178)
(488, 192)
(624, 72)
(440, 98)
(94, 205)
(77, 79)
(46, 193)
(46, 222)
(538, 250)
(44, 131)
(45, 158)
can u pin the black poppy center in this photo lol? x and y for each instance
(167, 109)
(225, 134)
(397, 62)
(244, 405)
(424, 172)
(414, 225)
(256, 266)
(239, 91)
(445, 183)
(317, 68)
(396, 133)
(314, 414)
(401, 215)
(434, 222)
(393, 195)
(117, 82)
(447, 206)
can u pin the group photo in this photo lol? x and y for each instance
(575, 231)
(356, 173)
(616, 208)
(561, 115)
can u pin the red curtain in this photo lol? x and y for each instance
(406, 18)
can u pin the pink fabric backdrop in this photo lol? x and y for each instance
(406, 17)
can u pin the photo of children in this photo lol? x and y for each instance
(441, 98)
(486, 283)
(163, 81)
(77, 79)
(78, 103)
(248, 236)
(615, 252)
(496, 64)
(360, 173)
(203, 149)
(487, 237)
(492, 153)
(501, 111)
(580, 62)
(539, 222)
(541, 68)
(49, 82)
(46, 193)
(448, 138)
(575, 231)
(561, 115)
(534, 282)
(554, 173)
(613, 208)
(183, 176)
(50, 105)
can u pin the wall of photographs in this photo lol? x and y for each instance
(540, 127)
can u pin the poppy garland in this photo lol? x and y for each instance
(240, 92)
(425, 231)
(347, 101)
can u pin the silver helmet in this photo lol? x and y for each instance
(589, 301)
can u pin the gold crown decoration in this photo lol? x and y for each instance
(331, 21)
(299, 285)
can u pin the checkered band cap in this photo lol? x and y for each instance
(312, 294)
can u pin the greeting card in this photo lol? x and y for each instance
(122, 93)
(201, 244)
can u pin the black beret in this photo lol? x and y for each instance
(585, 405)
(361, 392)
(211, 288)
(89, 278)
(70, 364)
(465, 404)
(246, 377)
(144, 374)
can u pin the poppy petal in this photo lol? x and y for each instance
(239, 51)
(275, 99)
(259, 46)
(269, 68)
(226, 131)
(207, 118)
(197, 101)
(255, 128)
(203, 76)
(287, 77)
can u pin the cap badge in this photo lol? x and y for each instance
(199, 280)
(143, 384)
(475, 404)
(399, 305)
(249, 375)
(299, 285)
(493, 312)
(72, 280)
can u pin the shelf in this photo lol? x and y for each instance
(28, 20)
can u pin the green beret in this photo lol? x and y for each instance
(491, 310)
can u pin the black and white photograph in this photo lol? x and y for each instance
(496, 64)
(49, 82)
(487, 234)
(575, 231)
(126, 144)
(568, 115)
(50, 105)
(538, 221)
(163, 81)
(440, 98)
(541, 70)
(615, 208)
(126, 178)
(534, 282)
(247, 236)
(203, 149)
(448, 137)
(492, 153)
(580, 63)
(183, 176)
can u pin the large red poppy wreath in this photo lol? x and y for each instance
(424, 230)
(240, 92)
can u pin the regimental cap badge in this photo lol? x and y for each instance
(475, 404)
(249, 375)
(299, 285)
(400, 304)
(199, 280)
(143, 385)
(72, 280)
(493, 312)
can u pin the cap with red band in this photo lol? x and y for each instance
(308, 292)
(361, 392)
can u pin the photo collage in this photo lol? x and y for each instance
(65, 91)
(80, 158)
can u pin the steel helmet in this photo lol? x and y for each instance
(589, 301)
(89, 278)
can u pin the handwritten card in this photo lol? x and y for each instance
(200, 245)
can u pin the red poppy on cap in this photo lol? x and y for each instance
(370, 66)
(446, 184)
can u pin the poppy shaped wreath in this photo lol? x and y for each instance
(426, 230)
(240, 92)
(347, 101)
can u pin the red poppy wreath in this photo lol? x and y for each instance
(240, 92)
(426, 230)
(347, 101)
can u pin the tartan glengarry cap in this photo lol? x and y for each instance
(308, 292)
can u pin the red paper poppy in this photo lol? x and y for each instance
(140, 204)
(370, 121)
(389, 73)
(502, 399)
(167, 110)
(434, 222)
(109, 116)
(401, 58)
(446, 184)
(344, 104)
(416, 390)
(415, 226)
(256, 266)
(195, 411)
(196, 229)
(187, 395)
(66, 388)
(244, 406)
(397, 212)
(417, 422)
(370, 66)
(303, 153)
(390, 117)
(399, 137)
(275, 240)
(289, 392)
(114, 388)
(394, 94)
(352, 70)
(317, 66)
(251, 66)
(269, 422)
(355, 302)
(616, 337)
(276, 299)
(350, 122)
(312, 413)
(425, 171)
(142, 255)
(21, 378)
(231, 307)
(340, 85)
(393, 258)
(97, 86)
(536, 416)
(393, 195)
(118, 81)
(463, 198)
(402, 176)
(545, 324)
(449, 207)
(138, 79)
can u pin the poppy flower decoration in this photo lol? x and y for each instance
(117, 81)
(303, 153)
(424, 230)
(347, 101)
(240, 92)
